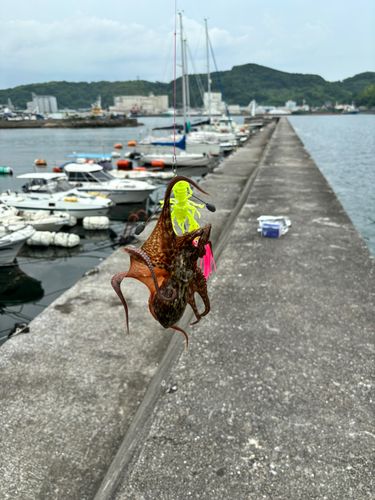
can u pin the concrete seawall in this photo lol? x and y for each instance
(275, 396)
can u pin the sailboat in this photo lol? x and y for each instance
(189, 147)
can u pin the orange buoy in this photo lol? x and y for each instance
(124, 165)
(56, 170)
(118, 146)
(131, 143)
(157, 163)
(41, 163)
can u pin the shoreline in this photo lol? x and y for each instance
(81, 123)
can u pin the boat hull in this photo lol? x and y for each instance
(11, 242)
(9, 252)
(77, 212)
(184, 161)
(199, 148)
(120, 197)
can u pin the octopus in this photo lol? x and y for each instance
(167, 264)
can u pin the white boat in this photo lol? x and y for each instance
(91, 178)
(183, 159)
(41, 220)
(12, 238)
(153, 145)
(142, 174)
(52, 191)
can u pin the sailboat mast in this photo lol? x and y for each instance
(208, 74)
(183, 74)
(187, 83)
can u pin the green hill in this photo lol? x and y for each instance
(241, 84)
(358, 83)
(367, 97)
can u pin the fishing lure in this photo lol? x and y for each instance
(167, 264)
(183, 211)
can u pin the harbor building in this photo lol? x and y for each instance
(291, 105)
(42, 104)
(151, 104)
(217, 105)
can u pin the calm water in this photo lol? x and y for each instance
(343, 147)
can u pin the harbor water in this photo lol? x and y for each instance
(343, 147)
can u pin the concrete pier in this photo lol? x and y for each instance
(274, 398)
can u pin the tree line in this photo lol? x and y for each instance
(241, 84)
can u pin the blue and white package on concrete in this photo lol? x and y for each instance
(271, 230)
(273, 227)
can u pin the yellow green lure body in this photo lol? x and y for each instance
(183, 211)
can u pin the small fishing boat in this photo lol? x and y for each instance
(52, 191)
(103, 160)
(12, 239)
(41, 220)
(91, 178)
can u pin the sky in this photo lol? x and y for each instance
(119, 40)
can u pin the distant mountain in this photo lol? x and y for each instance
(241, 84)
(367, 97)
(358, 83)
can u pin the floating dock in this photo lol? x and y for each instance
(274, 398)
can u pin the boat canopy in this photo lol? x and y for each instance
(170, 127)
(200, 122)
(48, 176)
(181, 144)
(86, 168)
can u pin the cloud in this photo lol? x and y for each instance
(83, 48)
(93, 48)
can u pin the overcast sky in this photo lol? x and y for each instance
(93, 40)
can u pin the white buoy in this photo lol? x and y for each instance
(67, 240)
(95, 223)
(47, 238)
(41, 239)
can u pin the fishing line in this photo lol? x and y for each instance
(174, 162)
(210, 206)
(139, 229)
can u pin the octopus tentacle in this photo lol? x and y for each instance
(116, 282)
(174, 327)
(199, 285)
(132, 250)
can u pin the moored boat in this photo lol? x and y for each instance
(91, 178)
(52, 191)
(183, 159)
(12, 239)
(41, 220)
